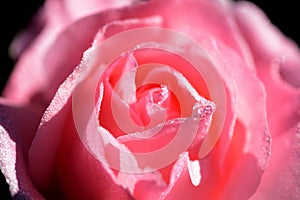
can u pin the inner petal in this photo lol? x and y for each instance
(157, 105)
(150, 100)
(123, 82)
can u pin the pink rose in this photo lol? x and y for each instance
(190, 99)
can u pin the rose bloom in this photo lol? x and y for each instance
(60, 136)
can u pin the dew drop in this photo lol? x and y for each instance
(204, 110)
(267, 140)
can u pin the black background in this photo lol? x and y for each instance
(16, 14)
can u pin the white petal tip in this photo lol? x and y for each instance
(194, 172)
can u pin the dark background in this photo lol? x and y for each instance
(16, 14)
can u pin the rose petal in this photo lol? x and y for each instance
(254, 126)
(277, 60)
(260, 153)
(46, 57)
(243, 109)
(57, 154)
(39, 90)
(251, 127)
(32, 89)
(281, 178)
(82, 176)
(46, 141)
(14, 143)
(212, 19)
(78, 9)
(98, 140)
(267, 42)
(179, 181)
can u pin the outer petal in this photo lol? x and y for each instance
(16, 132)
(59, 164)
(228, 177)
(278, 64)
(80, 175)
(32, 46)
(55, 68)
(78, 9)
(30, 63)
(251, 127)
(268, 43)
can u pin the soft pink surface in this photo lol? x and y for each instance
(43, 154)
(277, 59)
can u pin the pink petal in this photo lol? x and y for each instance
(59, 164)
(268, 43)
(226, 180)
(278, 62)
(38, 149)
(215, 30)
(31, 61)
(256, 126)
(248, 151)
(80, 175)
(78, 9)
(101, 144)
(58, 14)
(45, 60)
(250, 97)
(16, 132)
(180, 185)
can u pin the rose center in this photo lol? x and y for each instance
(148, 98)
